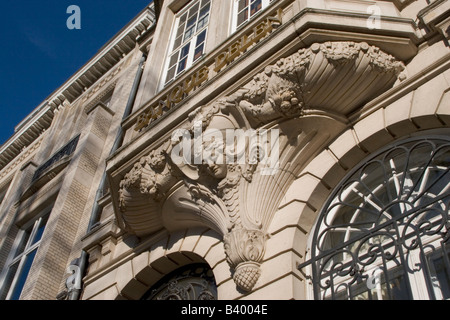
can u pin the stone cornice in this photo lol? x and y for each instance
(106, 59)
(26, 133)
(436, 17)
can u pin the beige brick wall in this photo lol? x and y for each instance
(51, 262)
(104, 129)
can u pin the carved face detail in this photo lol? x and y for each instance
(218, 171)
(214, 159)
(158, 161)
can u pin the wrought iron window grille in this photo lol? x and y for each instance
(61, 154)
(192, 282)
(393, 206)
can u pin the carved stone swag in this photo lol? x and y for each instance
(306, 97)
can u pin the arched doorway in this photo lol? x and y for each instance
(384, 231)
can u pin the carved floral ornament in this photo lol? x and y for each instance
(236, 191)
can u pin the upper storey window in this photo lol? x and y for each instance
(245, 10)
(188, 38)
(18, 266)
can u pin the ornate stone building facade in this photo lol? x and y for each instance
(283, 149)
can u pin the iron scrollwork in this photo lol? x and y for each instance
(387, 208)
(193, 282)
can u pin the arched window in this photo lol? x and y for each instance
(384, 231)
(192, 282)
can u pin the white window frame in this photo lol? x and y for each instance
(21, 258)
(234, 26)
(191, 40)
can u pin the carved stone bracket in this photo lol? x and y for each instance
(304, 97)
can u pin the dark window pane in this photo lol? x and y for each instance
(191, 22)
(198, 51)
(204, 11)
(201, 38)
(188, 34)
(171, 73)
(23, 242)
(242, 4)
(185, 51)
(9, 279)
(202, 22)
(178, 42)
(182, 65)
(173, 60)
(204, 17)
(242, 17)
(193, 11)
(183, 18)
(255, 7)
(23, 276)
(180, 31)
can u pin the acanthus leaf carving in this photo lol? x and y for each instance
(277, 92)
(304, 80)
(245, 250)
(340, 52)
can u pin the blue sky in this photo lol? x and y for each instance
(39, 53)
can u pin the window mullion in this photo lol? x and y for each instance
(32, 248)
(13, 261)
(16, 276)
(190, 60)
(32, 234)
